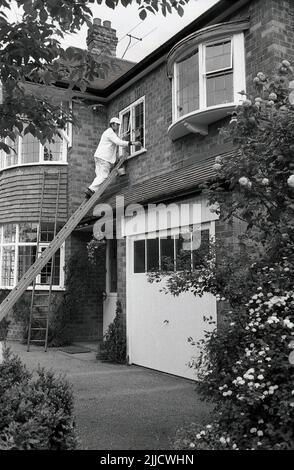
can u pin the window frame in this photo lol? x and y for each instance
(131, 108)
(16, 244)
(210, 225)
(237, 67)
(66, 144)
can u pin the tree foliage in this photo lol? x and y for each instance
(31, 52)
(244, 365)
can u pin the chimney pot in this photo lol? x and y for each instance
(101, 38)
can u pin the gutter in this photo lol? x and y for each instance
(214, 15)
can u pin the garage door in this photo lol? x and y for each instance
(158, 324)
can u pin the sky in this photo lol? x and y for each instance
(154, 30)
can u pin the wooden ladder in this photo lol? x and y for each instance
(40, 312)
(56, 243)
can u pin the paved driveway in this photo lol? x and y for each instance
(121, 407)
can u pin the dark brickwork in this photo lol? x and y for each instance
(86, 136)
(87, 323)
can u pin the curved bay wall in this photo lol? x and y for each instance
(21, 190)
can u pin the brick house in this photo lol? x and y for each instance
(175, 101)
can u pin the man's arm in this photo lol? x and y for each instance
(121, 143)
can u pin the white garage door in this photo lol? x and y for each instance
(158, 324)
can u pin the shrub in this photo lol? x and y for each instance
(35, 413)
(114, 345)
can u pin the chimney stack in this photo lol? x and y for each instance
(101, 38)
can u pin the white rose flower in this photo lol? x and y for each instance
(273, 96)
(243, 181)
(290, 181)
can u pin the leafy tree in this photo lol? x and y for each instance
(244, 365)
(31, 53)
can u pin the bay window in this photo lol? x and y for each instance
(27, 149)
(18, 251)
(133, 124)
(208, 73)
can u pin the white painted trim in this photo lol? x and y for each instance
(239, 67)
(34, 164)
(16, 246)
(129, 254)
(239, 77)
(131, 108)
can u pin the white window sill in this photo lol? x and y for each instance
(33, 164)
(198, 121)
(54, 288)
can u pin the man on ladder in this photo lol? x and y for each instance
(105, 154)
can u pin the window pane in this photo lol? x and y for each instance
(126, 126)
(46, 271)
(219, 89)
(139, 256)
(200, 244)
(167, 253)
(26, 257)
(8, 266)
(28, 232)
(183, 252)
(53, 150)
(9, 232)
(29, 149)
(112, 265)
(138, 125)
(188, 85)
(47, 231)
(12, 159)
(218, 56)
(153, 254)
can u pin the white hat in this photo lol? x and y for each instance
(114, 120)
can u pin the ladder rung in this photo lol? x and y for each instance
(37, 341)
(35, 305)
(37, 329)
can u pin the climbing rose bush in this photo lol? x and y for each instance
(243, 366)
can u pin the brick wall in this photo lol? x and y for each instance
(86, 136)
(121, 274)
(87, 322)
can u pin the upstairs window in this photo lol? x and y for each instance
(187, 79)
(207, 76)
(27, 149)
(219, 73)
(133, 124)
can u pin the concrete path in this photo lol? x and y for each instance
(117, 406)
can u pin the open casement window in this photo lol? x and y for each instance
(27, 149)
(18, 250)
(133, 124)
(173, 250)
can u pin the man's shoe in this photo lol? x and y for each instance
(88, 193)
